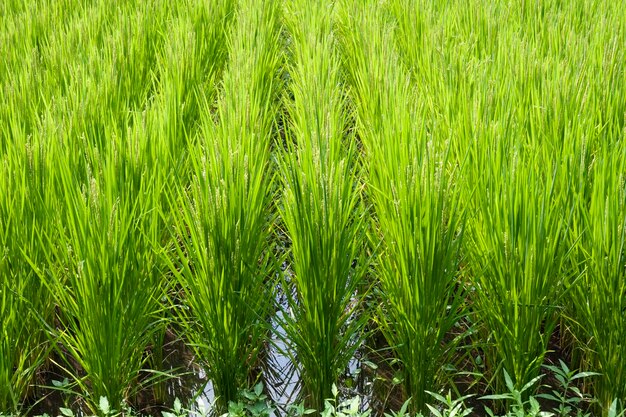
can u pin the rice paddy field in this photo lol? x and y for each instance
(389, 197)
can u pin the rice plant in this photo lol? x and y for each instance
(518, 258)
(105, 278)
(418, 220)
(25, 302)
(321, 209)
(600, 295)
(223, 223)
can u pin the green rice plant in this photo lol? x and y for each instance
(104, 275)
(599, 308)
(223, 219)
(25, 302)
(420, 223)
(416, 203)
(517, 257)
(190, 66)
(321, 210)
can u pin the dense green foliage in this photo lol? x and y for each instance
(447, 177)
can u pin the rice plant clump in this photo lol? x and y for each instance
(321, 208)
(223, 218)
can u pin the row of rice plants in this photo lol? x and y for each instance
(26, 302)
(85, 156)
(517, 253)
(417, 219)
(104, 274)
(223, 221)
(323, 216)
